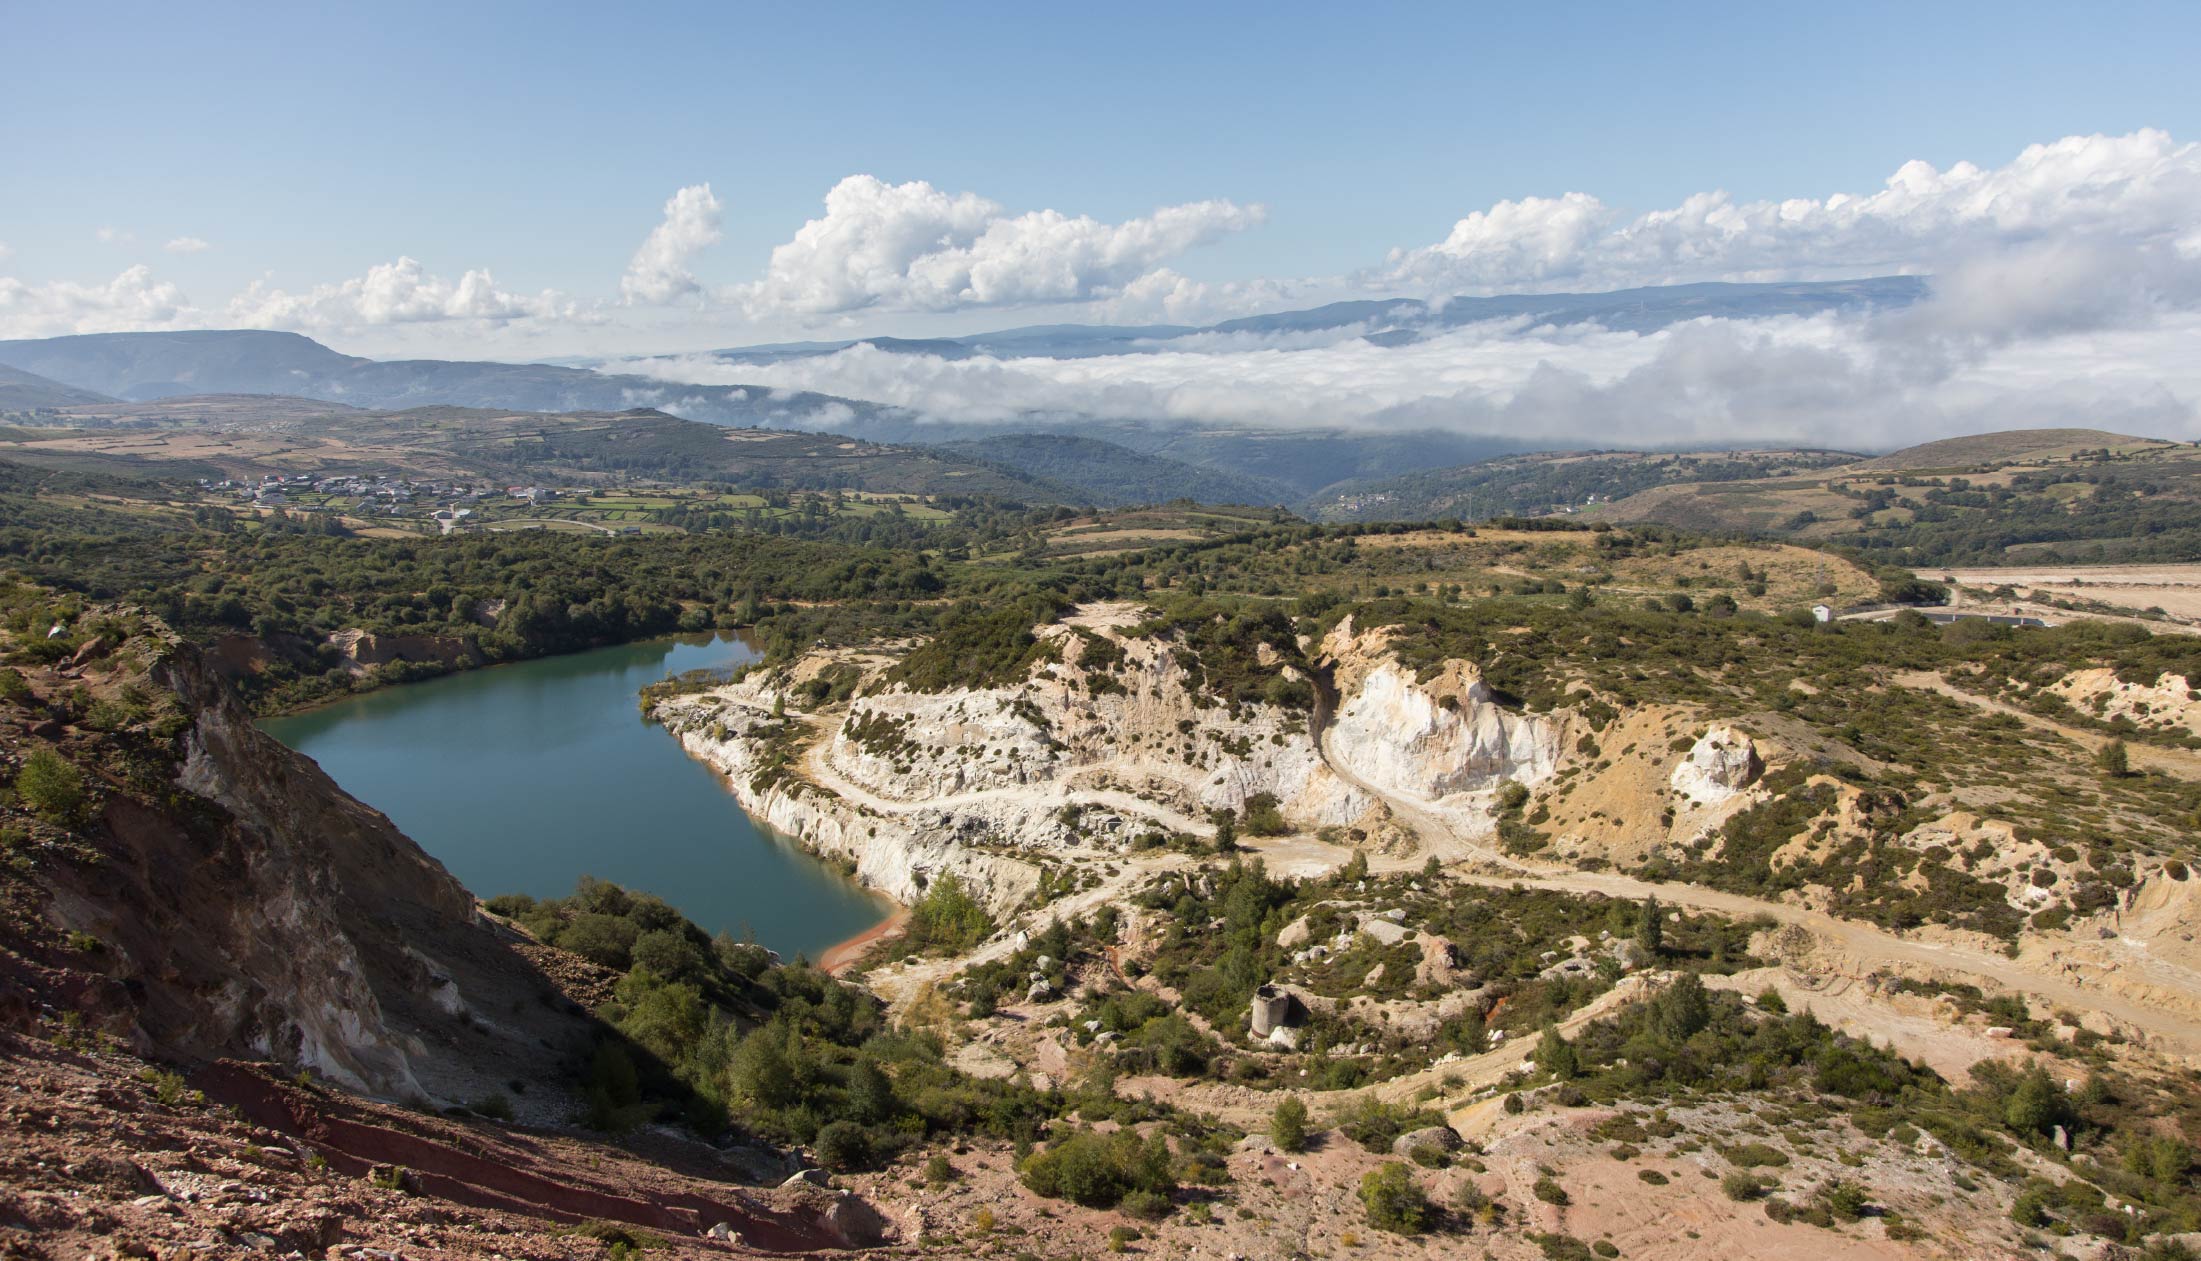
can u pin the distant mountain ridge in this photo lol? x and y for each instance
(26, 391)
(142, 366)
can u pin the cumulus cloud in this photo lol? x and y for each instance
(659, 271)
(132, 300)
(402, 292)
(113, 236)
(914, 247)
(187, 245)
(2141, 189)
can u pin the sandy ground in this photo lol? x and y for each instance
(838, 959)
(2176, 589)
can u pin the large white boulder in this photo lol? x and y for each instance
(1721, 763)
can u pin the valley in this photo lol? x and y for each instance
(1474, 809)
(1646, 851)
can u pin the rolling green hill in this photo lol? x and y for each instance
(250, 436)
(1112, 476)
(1549, 482)
(2026, 495)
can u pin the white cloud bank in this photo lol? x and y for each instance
(1836, 381)
(187, 245)
(913, 247)
(2138, 189)
(659, 271)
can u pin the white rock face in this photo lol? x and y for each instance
(1722, 763)
(897, 854)
(909, 785)
(1444, 736)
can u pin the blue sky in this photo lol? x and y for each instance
(308, 144)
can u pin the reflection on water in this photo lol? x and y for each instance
(522, 778)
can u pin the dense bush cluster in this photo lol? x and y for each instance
(720, 1033)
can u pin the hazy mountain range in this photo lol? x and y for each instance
(1211, 461)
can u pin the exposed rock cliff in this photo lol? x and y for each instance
(1110, 742)
(1432, 737)
(365, 649)
(230, 899)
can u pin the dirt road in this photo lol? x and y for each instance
(2178, 763)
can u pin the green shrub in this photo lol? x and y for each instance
(496, 1107)
(1098, 1171)
(947, 918)
(1395, 1202)
(1550, 1192)
(1845, 1200)
(843, 1146)
(52, 787)
(1288, 1125)
(1741, 1186)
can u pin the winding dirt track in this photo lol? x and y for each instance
(818, 769)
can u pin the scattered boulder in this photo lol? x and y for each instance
(1439, 961)
(1295, 933)
(1441, 1137)
(855, 1223)
(91, 650)
(1385, 932)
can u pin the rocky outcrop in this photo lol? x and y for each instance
(1722, 763)
(365, 649)
(1093, 753)
(1434, 737)
(988, 782)
(1142, 722)
(898, 854)
(254, 909)
(2167, 702)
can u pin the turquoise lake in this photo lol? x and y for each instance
(523, 778)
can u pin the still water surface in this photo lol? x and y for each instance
(523, 778)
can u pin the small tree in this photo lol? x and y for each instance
(1226, 831)
(51, 786)
(1650, 928)
(1683, 1009)
(1395, 1201)
(2038, 1105)
(2114, 760)
(1288, 1125)
(1556, 1056)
